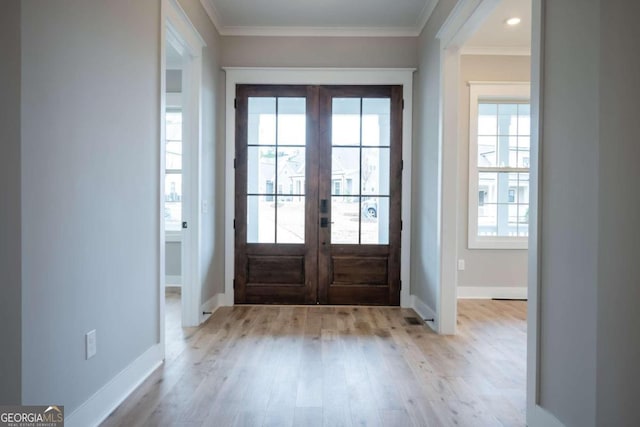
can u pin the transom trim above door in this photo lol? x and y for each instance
(300, 76)
(318, 194)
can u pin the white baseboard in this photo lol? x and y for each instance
(425, 312)
(98, 407)
(173, 280)
(212, 304)
(489, 292)
(227, 299)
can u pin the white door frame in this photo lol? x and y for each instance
(319, 76)
(536, 414)
(465, 18)
(178, 30)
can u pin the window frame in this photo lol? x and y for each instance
(173, 105)
(490, 92)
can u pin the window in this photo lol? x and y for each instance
(173, 171)
(499, 152)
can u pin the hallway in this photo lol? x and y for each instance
(308, 366)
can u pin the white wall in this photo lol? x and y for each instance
(10, 221)
(425, 268)
(212, 155)
(485, 267)
(249, 51)
(569, 240)
(90, 192)
(618, 379)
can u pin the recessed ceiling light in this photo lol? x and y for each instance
(513, 21)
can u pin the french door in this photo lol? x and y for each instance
(318, 194)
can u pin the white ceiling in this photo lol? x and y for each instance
(320, 17)
(495, 36)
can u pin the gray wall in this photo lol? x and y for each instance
(173, 258)
(90, 192)
(10, 246)
(425, 268)
(618, 379)
(569, 212)
(212, 159)
(174, 81)
(395, 52)
(485, 267)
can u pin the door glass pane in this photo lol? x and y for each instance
(345, 171)
(345, 121)
(291, 215)
(261, 218)
(292, 121)
(375, 221)
(375, 171)
(261, 121)
(345, 217)
(376, 121)
(173, 202)
(291, 170)
(276, 173)
(261, 170)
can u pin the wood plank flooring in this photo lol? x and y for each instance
(336, 366)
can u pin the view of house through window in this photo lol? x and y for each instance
(360, 147)
(503, 152)
(359, 174)
(173, 171)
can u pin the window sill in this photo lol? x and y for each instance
(173, 236)
(500, 244)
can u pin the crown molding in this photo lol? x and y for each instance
(318, 31)
(426, 13)
(274, 31)
(211, 10)
(496, 50)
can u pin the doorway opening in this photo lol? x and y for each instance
(318, 194)
(179, 172)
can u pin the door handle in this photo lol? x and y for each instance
(324, 222)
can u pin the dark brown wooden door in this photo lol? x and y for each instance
(318, 186)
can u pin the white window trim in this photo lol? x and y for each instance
(487, 91)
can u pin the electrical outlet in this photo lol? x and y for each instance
(461, 265)
(91, 344)
(205, 206)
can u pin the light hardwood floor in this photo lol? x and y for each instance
(337, 366)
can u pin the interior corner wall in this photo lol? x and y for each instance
(485, 267)
(212, 154)
(10, 213)
(90, 193)
(339, 52)
(425, 256)
(618, 385)
(569, 209)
